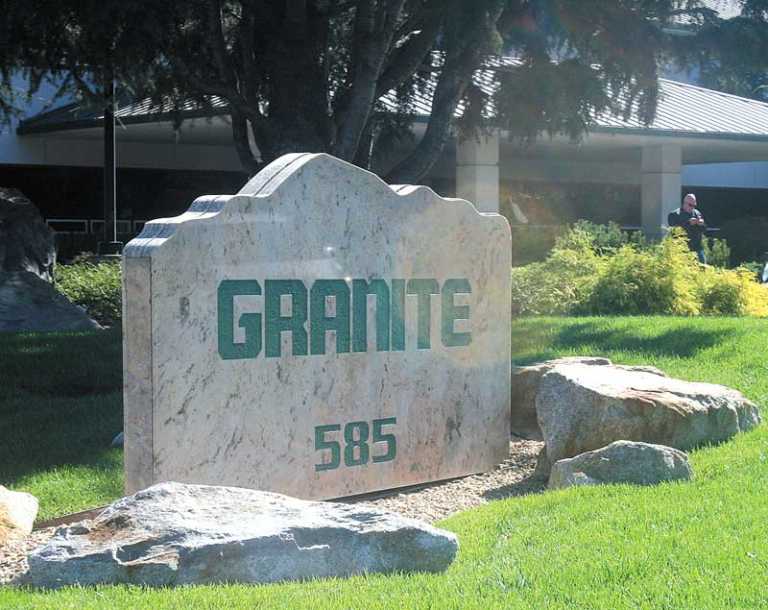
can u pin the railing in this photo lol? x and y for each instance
(92, 226)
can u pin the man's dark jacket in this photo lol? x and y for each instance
(681, 218)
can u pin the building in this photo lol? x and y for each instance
(701, 140)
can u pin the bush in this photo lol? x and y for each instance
(655, 280)
(732, 292)
(717, 251)
(585, 275)
(560, 283)
(94, 286)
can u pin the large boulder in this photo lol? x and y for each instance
(525, 388)
(622, 462)
(174, 534)
(17, 514)
(581, 408)
(26, 242)
(28, 303)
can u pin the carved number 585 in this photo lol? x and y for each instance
(356, 435)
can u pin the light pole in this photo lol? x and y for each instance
(110, 245)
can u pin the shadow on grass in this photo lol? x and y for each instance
(684, 340)
(61, 364)
(60, 400)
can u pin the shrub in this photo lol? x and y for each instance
(606, 238)
(94, 286)
(560, 283)
(583, 277)
(656, 280)
(717, 251)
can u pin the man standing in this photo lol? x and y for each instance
(690, 219)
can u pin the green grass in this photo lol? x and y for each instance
(60, 407)
(702, 544)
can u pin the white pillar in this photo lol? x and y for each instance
(477, 171)
(661, 186)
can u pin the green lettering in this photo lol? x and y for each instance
(360, 291)
(423, 288)
(275, 324)
(452, 312)
(320, 323)
(398, 315)
(251, 322)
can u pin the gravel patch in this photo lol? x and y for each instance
(13, 555)
(430, 502)
(435, 501)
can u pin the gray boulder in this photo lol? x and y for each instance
(26, 242)
(525, 386)
(582, 408)
(18, 510)
(28, 303)
(622, 462)
(174, 534)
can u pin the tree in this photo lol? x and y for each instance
(732, 54)
(310, 75)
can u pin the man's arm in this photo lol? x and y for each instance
(673, 219)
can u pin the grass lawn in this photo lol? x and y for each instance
(702, 544)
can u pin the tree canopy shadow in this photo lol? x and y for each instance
(682, 340)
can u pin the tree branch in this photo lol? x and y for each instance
(242, 143)
(373, 37)
(405, 61)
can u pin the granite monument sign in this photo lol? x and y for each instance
(320, 334)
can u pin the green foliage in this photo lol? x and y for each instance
(658, 280)
(603, 237)
(754, 267)
(717, 251)
(95, 286)
(597, 271)
(561, 282)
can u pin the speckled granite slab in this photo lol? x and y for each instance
(320, 334)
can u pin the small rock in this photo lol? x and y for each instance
(622, 462)
(173, 534)
(17, 514)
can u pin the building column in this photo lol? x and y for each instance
(477, 171)
(661, 186)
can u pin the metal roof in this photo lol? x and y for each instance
(682, 109)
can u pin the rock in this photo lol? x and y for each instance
(581, 408)
(118, 441)
(174, 534)
(17, 514)
(525, 386)
(622, 462)
(26, 242)
(28, 303)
